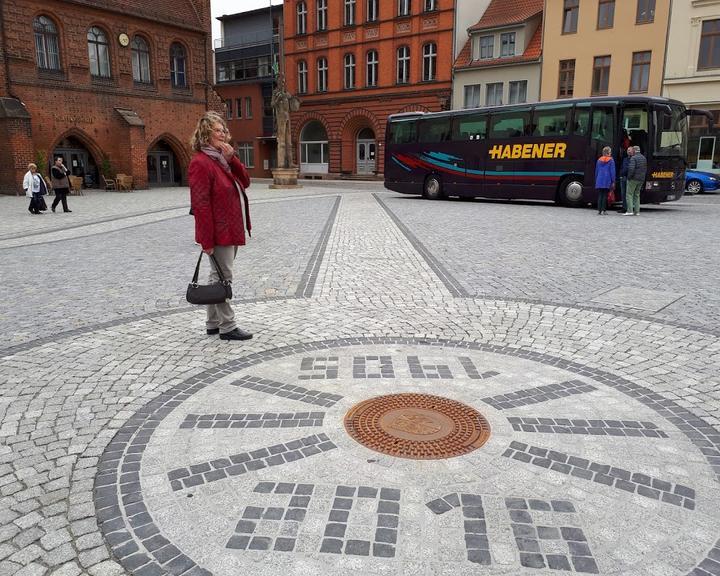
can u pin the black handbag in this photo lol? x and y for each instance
(215, 293)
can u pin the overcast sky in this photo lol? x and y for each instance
(220, 7)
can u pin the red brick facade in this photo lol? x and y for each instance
(345, 112)
(115, 119)
(247, 129)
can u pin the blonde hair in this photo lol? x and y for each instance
(32, 165)
(204, 128)
(607, 151)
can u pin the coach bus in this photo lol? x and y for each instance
(542, 151)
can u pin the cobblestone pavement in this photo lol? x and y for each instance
(584, 348)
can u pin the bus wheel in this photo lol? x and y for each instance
(570, 193)
(433, 188)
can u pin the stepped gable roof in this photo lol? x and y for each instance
(532, 54)
(508, 12)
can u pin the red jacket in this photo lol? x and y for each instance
(216, 204)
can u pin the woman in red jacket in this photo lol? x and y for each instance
(217, 196)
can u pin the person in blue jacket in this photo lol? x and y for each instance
(604, 178)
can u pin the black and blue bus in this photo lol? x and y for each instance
(542, 151)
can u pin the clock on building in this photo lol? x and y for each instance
(124, 39)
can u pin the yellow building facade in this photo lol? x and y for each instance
(603, 47)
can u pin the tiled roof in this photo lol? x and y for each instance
(532, 54)
(507, 12)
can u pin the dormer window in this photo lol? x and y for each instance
(487, 43)
(507, 44)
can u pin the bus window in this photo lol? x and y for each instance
(470, 127)
(434, 130)
(551, 121)
(582, 121)
(402, 132)
(510, 124)
(602, 125)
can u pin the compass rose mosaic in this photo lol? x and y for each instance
(398, 457)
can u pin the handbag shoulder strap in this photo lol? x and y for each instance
(221, 276)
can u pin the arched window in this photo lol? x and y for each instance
(98, 53)
(301, 18)
(140, 60)
(314, 148)
(322, 75)
(403, 65)
(429, 61)
(322, 14)
(47, 47)
(371, 73)
(178, 74)
(302, 77)
(349, 71)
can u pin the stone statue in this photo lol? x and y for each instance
(283, 103)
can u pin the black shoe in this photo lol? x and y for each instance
(52, 208)
(213, 330)
(236, 334)
(67, 210)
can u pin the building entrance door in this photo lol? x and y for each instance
(366, 148)
(161, 167)
(79, 162)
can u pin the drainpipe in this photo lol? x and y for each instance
(667, 41)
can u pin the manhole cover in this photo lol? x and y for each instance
(417, 426)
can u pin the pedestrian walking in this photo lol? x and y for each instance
(35, 188)
(60, 183)
(604, 178)
(220, 206)
(637, 170)
(623, 177)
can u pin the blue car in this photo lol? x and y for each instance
(697, 182)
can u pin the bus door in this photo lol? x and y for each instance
(469, 132)
(602, 133)
(505, 174)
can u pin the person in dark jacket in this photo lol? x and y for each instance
(623, 177)
(604, 178)
(637, 170)
(60, 183)
(219, 204)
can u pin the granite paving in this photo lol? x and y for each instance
(133, 443)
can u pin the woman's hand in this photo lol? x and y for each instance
(227, 151)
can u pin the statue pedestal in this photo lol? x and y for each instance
(285, 178)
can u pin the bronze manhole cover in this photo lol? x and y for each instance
(417, 426)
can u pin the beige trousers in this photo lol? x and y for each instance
(222, 315)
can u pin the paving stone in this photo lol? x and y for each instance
(609, 391)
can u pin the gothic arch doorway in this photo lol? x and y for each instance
(163, 166)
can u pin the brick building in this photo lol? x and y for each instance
(354, 62)
(116, 89)
(244, 59)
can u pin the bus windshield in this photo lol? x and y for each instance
(670, 131)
